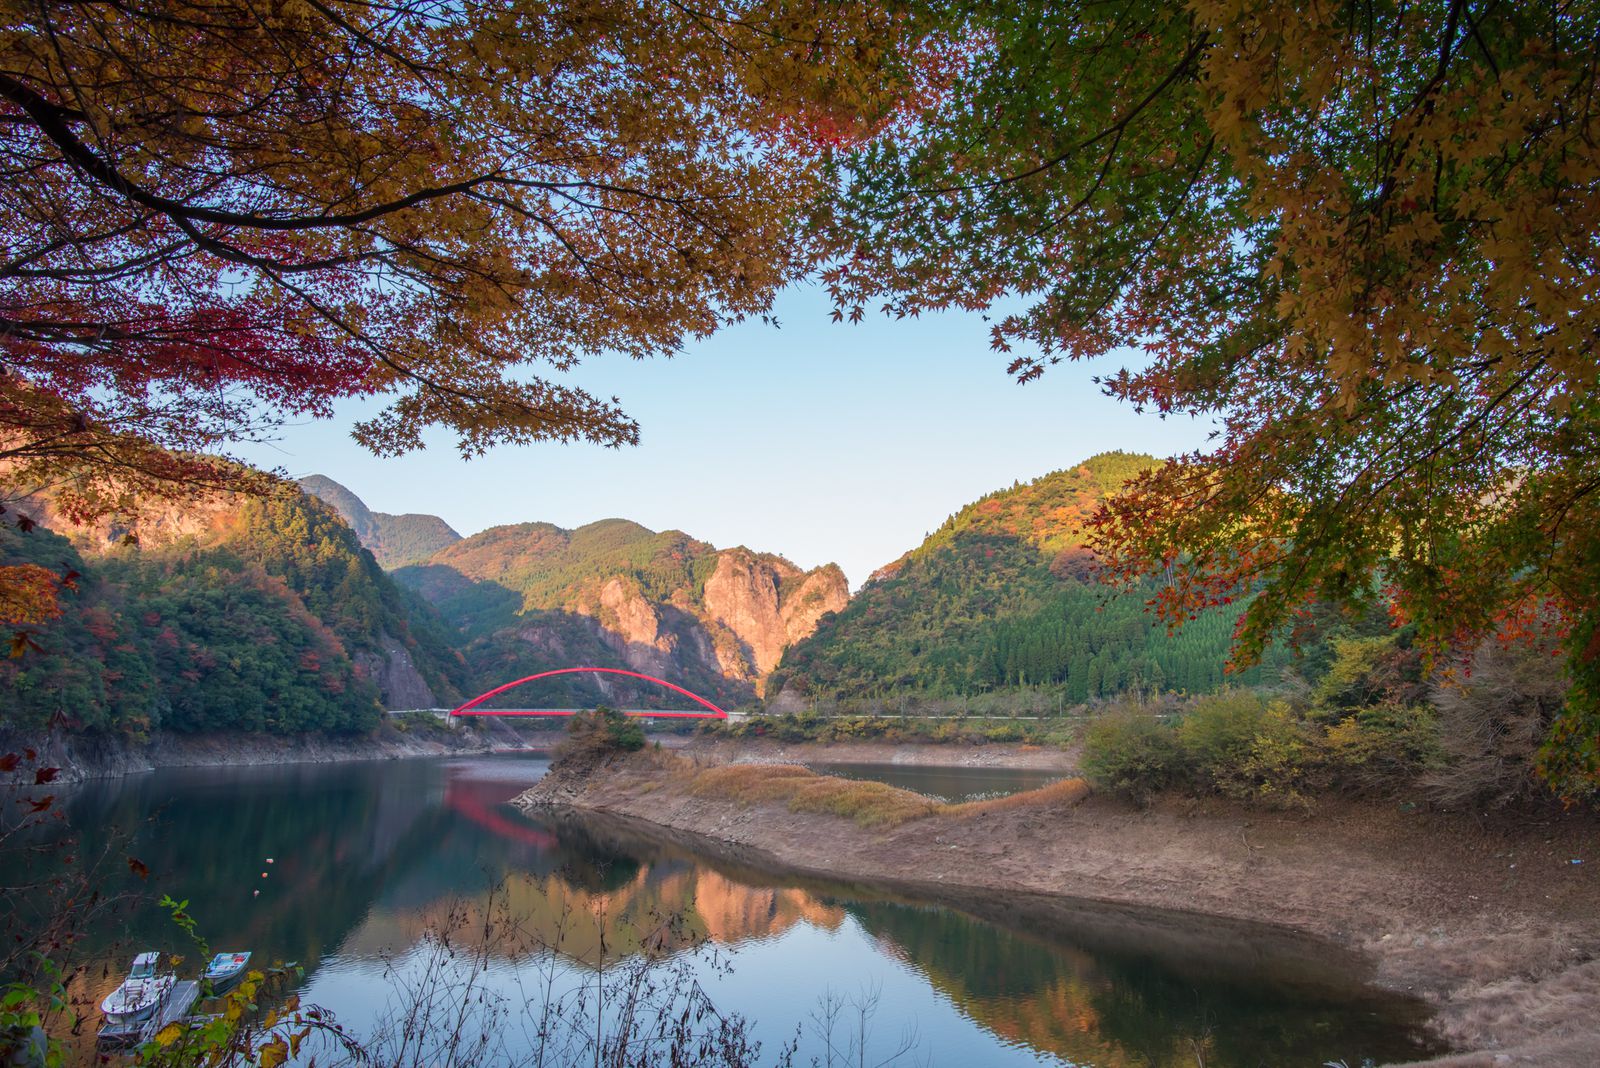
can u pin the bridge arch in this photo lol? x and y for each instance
(471, 708)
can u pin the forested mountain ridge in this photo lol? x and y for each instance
(393, 540)
(234, 614)
(533, 596)
(243, 613)
(268, 614)
(1003, 594)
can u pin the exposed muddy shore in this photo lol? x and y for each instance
(1489, 921)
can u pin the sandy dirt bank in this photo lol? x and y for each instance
(1488, 919)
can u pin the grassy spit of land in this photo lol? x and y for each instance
(1487, 919)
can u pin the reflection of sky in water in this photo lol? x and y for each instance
(369, 856)
(946, 783)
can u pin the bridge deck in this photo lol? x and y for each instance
(573, 711)
(445, 713)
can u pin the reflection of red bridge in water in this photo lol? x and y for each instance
(480, 800)
(471, 708)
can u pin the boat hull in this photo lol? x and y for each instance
(225, 970)
(135, 1000)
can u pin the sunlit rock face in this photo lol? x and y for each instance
(767, 604)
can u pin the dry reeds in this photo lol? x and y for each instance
(1065, 793)
(869, 804)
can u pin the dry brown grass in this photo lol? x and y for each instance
(1066, 793)
(1548, 1020)
(747, 782)
(869, 804)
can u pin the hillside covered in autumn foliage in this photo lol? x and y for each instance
(1005, 594)
(262, 615)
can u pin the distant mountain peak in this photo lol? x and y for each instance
(394, 540)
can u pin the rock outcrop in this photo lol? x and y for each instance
(399, 682)
(767, 604)
(156, 524)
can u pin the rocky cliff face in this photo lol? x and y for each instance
(766, 604)
(742, 596)
(400, 683)
(751, 608)
(819, 592)
(156, 525)
(632, 627)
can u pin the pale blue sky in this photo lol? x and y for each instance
(820, 441)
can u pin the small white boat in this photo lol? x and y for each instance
(140, 994)
(225, 969)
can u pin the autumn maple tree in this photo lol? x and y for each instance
(216, 214)
(1360, 238)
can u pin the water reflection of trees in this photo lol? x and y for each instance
(1112, 1009)
(366, 856)
(333, 841)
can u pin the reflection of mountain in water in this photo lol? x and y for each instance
(663, 908)
(370, 858)
(1108, 989)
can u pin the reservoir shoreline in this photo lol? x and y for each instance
(85, 757)
(1486, 919)
(82, 757)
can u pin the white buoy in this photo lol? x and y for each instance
(269, 860)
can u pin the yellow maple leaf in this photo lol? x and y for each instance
(274, 1053)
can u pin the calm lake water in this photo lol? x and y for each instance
(952, 784)
(367, 859)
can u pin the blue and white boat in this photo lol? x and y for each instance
(226, 969)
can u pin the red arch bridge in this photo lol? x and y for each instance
(707, 710)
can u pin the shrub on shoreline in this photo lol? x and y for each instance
(601, 732)
(1132, 753)
(1259, 749)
